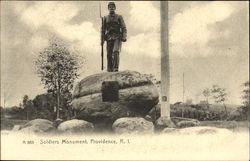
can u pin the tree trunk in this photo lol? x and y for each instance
(58, 93)
(58, 102)
(207, 104)
(27, 114)
(225, 110)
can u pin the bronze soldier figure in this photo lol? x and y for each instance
(114, 32)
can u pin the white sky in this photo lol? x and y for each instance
(208, 42)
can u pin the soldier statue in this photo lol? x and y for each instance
(114, 32)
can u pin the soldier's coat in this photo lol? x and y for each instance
(113, 31)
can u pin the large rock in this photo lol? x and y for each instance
(76, 126)
(16, 128)
(164, 122)
(179, 122)
(231, 125)
(37, 126)
(201, 130)
(185, 122)
(170, 131)
(132, 125)
(137, 95)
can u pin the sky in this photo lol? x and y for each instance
(208, 42)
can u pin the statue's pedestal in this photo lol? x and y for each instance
(105, 97)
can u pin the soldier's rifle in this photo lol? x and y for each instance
(102, 35)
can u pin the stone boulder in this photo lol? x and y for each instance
(37, 126)
(133, 125)
(16, 128)
(164, 122)
(75, 126)
(170, 131)
(204, 130)
(137, 95)
(201, 130)
(181, 122)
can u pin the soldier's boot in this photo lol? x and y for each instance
(116, 61)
